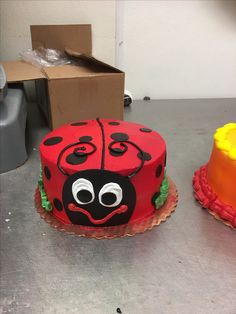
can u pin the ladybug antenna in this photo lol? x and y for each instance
(123, 148)
(78, 152)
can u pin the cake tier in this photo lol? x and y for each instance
(210, 200)
(103, 172)
(221, 169)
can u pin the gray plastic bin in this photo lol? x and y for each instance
(13, 111)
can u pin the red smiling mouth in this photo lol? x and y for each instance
(122, 209)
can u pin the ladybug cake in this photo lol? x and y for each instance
(215, 182)
(103, 178)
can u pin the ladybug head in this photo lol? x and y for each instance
(98, 197)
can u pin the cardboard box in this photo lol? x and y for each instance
(70, 93)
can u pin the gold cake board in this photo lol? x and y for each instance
(160, 215)
(217, 217)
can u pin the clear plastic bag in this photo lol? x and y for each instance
(45, 57)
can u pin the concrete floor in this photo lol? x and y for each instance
(187, 265)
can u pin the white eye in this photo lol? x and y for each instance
(110, 195)
(83, 191)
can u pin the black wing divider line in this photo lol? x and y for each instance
(103, 143)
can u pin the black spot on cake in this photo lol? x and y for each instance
(146, 156)
(78, 123)
(159, 171)
(73, 159)
(146, 130)
(116, 152)
(47, 173)
(114, 123)
(120, 137)
(85, 138)
(52, 140)
(57, 204)
(154, 197)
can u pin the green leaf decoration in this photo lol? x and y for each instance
(44, 200)
(164, 191)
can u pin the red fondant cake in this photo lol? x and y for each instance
(215, 182)
(104, 175)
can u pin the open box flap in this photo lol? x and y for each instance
(75, 37)
(89, 59)
(83, 65)
(75, 71)
(70, 71)
(18, 71)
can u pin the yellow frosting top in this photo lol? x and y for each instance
(225, 139)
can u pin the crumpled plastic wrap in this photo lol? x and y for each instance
(45, 57)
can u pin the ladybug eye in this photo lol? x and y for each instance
(83, 191)
(110, 195)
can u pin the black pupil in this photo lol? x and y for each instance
(108, 198)
(84, 196)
